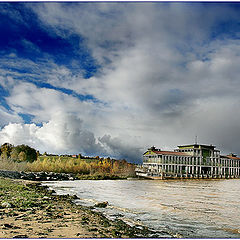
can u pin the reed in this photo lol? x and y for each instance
(91, 167)
(9, 164)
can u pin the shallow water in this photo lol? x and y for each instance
(186, 208)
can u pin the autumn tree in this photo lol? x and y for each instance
(31, 153)
(6, 149)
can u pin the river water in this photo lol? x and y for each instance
(184, 208)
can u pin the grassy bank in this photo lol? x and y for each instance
(29, 210)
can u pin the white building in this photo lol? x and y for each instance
(189, 161)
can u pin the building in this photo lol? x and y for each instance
(188, 161)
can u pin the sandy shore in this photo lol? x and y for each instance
(28, 210)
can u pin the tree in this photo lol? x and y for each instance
(14, 154)
(38, 154)
(22, 156)
(30, 153)
(6, 149)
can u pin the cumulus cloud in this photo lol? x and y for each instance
(64, 133)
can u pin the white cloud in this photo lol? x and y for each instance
(43, 103)
(62, 133)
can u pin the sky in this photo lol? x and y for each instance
(113, 79)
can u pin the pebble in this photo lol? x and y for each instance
(6, 205)
(46, 197)
(20, 236)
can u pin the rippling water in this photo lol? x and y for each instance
(189, 209)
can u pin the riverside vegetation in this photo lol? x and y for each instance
(25, 158)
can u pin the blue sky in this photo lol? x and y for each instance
(25, 38)
(115, 78)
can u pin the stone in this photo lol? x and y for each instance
(6, 205)
(20, 236)
(6, 225)
(101, 204)
(46, 197)
(74, 196)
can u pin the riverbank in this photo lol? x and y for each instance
(29, 210)
(53, 176)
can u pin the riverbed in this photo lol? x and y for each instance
(175, 208)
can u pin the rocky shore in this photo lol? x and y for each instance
(38, 176)
(29, 210)
(53, 176)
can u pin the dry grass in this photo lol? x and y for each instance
(59, 164)
(81, 166)
(8, 164)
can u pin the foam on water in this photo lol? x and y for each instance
(192, 209)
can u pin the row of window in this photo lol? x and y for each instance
(197, 151)
(172, 159)
(192, 160)
(193, 170)
(225, 162)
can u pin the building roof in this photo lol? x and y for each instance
(171, 153)
(233, 157)
(230, 157)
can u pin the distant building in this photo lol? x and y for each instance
(188, 161)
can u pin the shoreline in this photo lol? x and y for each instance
(30, 210)
(54, 176)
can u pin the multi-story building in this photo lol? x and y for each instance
(189, 161)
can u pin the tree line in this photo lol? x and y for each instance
(32, 160)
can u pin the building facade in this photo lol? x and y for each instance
(188, 161)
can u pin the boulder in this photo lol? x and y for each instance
(101, 204)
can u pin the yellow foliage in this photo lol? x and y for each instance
(81, 166)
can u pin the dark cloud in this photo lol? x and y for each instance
(120, 149)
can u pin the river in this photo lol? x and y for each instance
(184, 208)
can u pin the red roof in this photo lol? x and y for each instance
(171, 153)
(231, 157)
